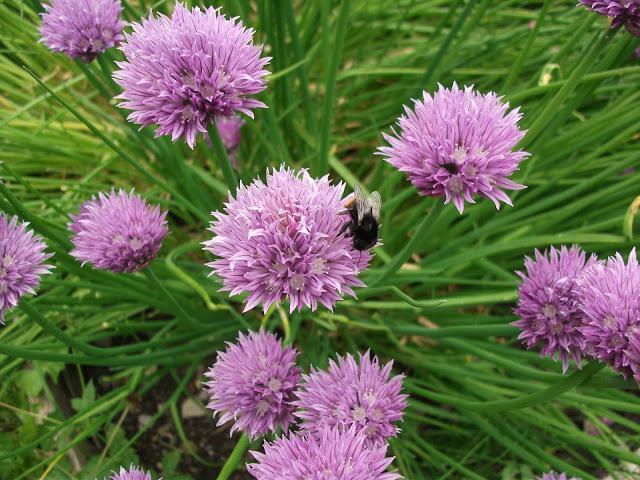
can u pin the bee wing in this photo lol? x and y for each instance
(375, 203)
(362, 202)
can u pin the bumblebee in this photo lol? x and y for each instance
(364, 219)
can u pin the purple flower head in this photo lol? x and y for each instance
(331, 455)
(253, 384)
(229, 130)
(549, 303)
(22, 258)
(621, 12)
(133, 473)
(458, 144)
(82, 28)
(610, 296)
(182, 72)
(556, 476)
(118, 232)
(360, 394)
(282, 239)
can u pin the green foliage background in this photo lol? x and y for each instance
(481, 406)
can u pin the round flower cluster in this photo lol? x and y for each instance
(556, 476)
(82, 28)
(285, 239)
(549, 304)
(253, 382)
(182, 72)
(22, 258)
(348, 412)
(621, 12)
(118, 232)
(458, 144)
(229, 130)
(332, 454)
(578, 307)
(610, 294)
(133, 473)
(359, 394)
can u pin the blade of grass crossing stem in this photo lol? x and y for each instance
(430, 73)
(281, 54)
(524, 55)
(322, 162)
(557, 101)
(302, 71)
(186, 204)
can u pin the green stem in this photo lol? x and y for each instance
(302, 71)
(44, 227)
(322, 164)
(235, 458)
(59, 334)
(220, 154)
(125, 156)
(524, 54)
(106, 70)
(186, 278)
(455, 331)
(430, 73)
(546, 395)
(557, 101)
(95, 81)
(180, 310)
(396, 262)
(534, 399)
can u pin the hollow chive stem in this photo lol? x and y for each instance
(235, 458)
(221, 157)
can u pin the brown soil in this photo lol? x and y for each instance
(213, 445)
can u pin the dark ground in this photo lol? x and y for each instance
(210, 443)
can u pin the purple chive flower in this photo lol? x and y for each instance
(556, 476)
(118, 232)
(333, 454)
(229, 130)
(22, 258)
(133, 473)
(253, 384)
(610, 295)
(458, 144)
(349, 394)
(182, 72)
(549, 303)
(82, 28)
(282, 239)
(621, 12)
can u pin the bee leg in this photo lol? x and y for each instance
(346, 227)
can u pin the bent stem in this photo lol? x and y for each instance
(221, 157)
(235, 458)
(545, 395)
(535, 399)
